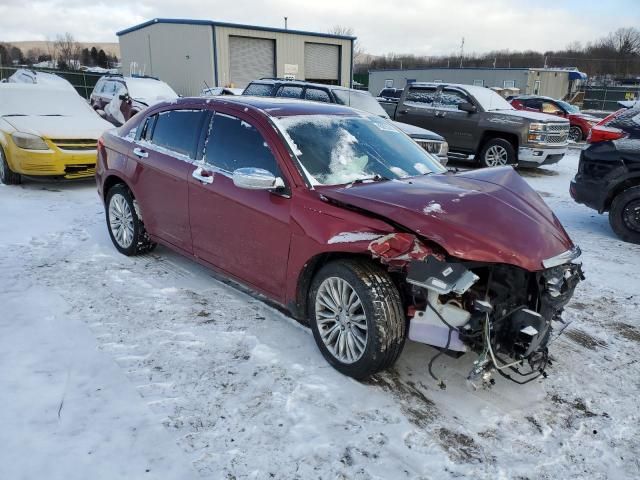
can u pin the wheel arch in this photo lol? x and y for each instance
(488, 135)
(298, 307)
(619, 188)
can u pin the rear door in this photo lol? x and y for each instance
(164, 151)
(243, 232)
(456, 126)
(289, 91)
(418, 108)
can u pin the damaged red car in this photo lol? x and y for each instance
(343, 220)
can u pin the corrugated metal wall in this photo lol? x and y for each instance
(181, 55)
(552, 83)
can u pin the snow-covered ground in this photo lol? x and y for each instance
(149, 367)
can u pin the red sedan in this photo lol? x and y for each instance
(348, 224)
(581, 123)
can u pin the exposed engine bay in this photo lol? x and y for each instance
(502, 312)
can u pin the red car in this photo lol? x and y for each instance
(343, 220)
(581, 123)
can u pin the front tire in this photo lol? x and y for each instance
(575, 134)
(624, 216)
(356, 317)
(125, 227)
(497, 152)
(8, 176)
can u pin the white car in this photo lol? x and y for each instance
(50, 80)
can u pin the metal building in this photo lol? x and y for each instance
(556, 83)
(189, 53)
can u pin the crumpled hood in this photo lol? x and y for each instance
(489, 215)
(87, 126)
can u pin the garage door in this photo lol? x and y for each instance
(321, 62)
(250, 58)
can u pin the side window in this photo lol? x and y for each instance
(289, 91)
(450, 99)
(147, 128)
(422, 97)
(234, 143)
(259, 90)
(535, 104)
(550, 107)
(178, 131)
(317, 95)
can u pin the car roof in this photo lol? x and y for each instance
(533, 97)
(274, 106)
(301, 83)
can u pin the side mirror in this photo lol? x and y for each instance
(256, 179)
(467, 107)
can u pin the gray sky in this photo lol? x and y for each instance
(430, 27)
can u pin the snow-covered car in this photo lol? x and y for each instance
(46, 131)
(217, 91)
(119, 98)
(44, 79)
(340, 218)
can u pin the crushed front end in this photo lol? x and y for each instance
(502, 312)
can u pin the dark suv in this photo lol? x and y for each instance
(608, 177)
(362, 100)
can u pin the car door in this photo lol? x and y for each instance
(243, 232)
(457, 126)
(164, 152)
(418, 108)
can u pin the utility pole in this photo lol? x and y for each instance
(461, 51)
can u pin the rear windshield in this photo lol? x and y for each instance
(335, 150)
(360, 100)
(628, 120)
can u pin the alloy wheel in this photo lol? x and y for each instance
(121, 220)
(575, 134)
(495, 156)
(341, 320)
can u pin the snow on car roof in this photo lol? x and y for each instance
(487, 98)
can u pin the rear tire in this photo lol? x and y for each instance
(8, 176)
(497, 152)
(624, 215)
(125, 227)
(367, 334)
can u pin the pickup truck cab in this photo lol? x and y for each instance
(362, 100)
(477, 121)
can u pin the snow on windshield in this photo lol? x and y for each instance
(36, 100)
(335, 150)
(488, 99)
(149, 89)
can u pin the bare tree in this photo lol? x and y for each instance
(358, 49)
(68, 50)
(625, 41)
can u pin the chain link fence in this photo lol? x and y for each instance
(83, 82)
(606, 98)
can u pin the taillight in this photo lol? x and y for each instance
(599, 133)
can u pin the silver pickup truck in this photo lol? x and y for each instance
(477, 121)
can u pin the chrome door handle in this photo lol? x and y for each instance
(202, 175)
(138, 152)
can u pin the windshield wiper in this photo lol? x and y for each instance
(14, 115)
(375, 178)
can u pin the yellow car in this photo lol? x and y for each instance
(46, 131)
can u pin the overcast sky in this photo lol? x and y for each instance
(431, 27)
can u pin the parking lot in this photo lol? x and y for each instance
(118, 367)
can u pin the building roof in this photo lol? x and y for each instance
(444, 68)
(183, 21)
